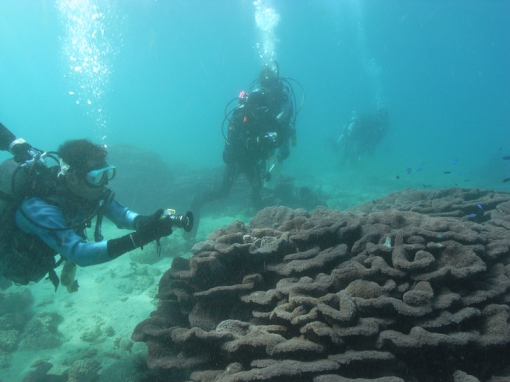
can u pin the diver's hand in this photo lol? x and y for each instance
(150, 228)
(22, 152)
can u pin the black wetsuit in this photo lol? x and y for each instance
(258, 127)
(362, 134)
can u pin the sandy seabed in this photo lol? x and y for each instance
(97, 321)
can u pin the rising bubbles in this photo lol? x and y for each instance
(87, 52)
(267, 20)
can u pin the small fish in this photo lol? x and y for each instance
(506, 180)
(426, 185)
(466, 180)
(480, 206)
(471, 216)
(398, 177)
(408, 170)
(506, 157)
(447, 172)
(418, 169)
(455, 161)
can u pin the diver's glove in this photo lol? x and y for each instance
(22, 151)
(19, 148)
(148, 228)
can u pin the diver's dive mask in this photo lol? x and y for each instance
(100, 177)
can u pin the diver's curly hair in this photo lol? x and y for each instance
(79, 152)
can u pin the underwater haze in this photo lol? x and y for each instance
(158, 74)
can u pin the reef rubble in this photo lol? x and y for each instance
(410, 287)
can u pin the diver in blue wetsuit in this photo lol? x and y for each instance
(47, 215)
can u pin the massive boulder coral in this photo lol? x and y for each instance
(414, 286)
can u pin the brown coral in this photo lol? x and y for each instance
(385, 292)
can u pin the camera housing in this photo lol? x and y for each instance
(184, 221)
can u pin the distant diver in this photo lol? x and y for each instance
(361, 135)
(261, 129)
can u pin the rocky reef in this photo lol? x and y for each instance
(410, 287)
(172, 186)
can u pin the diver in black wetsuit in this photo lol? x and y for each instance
(262, 123)
(361, 135)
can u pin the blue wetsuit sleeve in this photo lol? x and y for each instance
(121, 216)
(66, 242)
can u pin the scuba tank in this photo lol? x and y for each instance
(20, 180)
(26, 158)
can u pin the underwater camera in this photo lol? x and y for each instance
(268, 140)
(184, 221)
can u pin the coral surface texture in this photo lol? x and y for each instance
(410, 287)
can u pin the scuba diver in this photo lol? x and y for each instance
(361, 135)
(45, 211)
(260, 130)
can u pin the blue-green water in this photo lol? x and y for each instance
(164, 71)
(158, 74)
